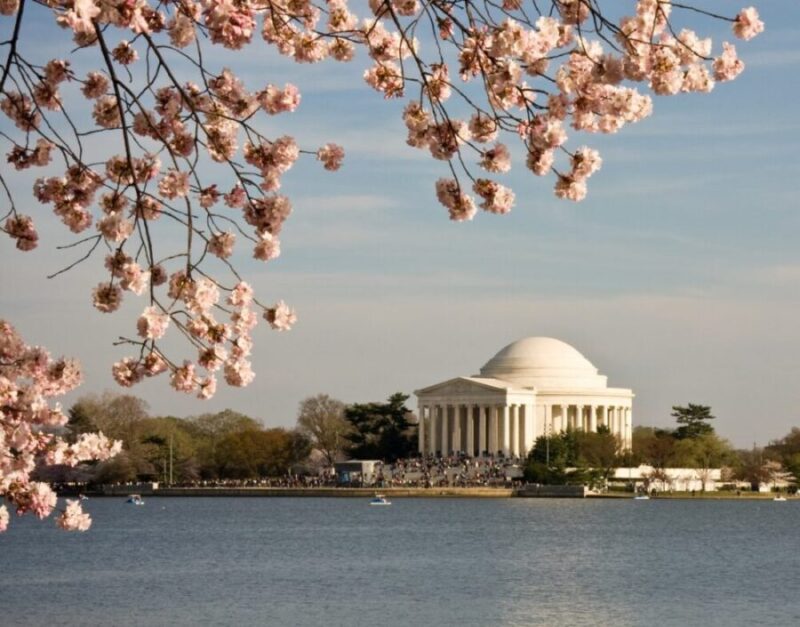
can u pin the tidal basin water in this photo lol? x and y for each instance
(433, 562)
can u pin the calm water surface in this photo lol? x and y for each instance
(310, 561)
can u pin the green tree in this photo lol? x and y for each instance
(573, 457)
(599, 451)
(703, 453)
(322, 419)
(208, 430)
(654, 447)
(381, 430)
(693, 420)
(551, 457)
(251, 454)
(170, 446)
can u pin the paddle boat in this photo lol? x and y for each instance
(379, 499)
(641, 497)
(779, 498)
(135, 499)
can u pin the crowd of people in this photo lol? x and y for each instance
(452, 471)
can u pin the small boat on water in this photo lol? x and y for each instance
(83, 497)
(641, 497)
(779, 498)
(135, 499)
(380, 499)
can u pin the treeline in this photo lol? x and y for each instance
(222, 445)
(231, 445)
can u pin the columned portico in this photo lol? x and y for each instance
(531, 388)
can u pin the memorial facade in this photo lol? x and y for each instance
(532, 387)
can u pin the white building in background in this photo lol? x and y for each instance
(670, 479)
(532, 387)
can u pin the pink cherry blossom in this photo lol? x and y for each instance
(73, 517)
(275, 100)
(280, 317)
(747, 24)
(241, 295)
(221, 244)
(497, 159)
(95, 85)
(127, 372)
(727, 66)
(174, 184)
(461, 206)
(21, 228)
(496, 198)
(267, 247)
(331, 156)
(107, 297)
(28, 378)
(183, 379)
(238, 373)
(207, 387)
(152, 324)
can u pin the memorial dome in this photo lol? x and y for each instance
(543, 362)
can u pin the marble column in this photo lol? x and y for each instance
(456, 442)
(492, 430)
(421, 429)
(593, 419)
(506, 430)
(529, 434)
(628, 428)
(470, 426)
(432, 429)
(482, 447)
(445, 444)
(515, 429)
(563, 423)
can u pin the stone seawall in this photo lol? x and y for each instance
(553, 491)
(312, 492)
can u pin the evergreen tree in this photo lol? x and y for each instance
(381, 430)
(693, 420)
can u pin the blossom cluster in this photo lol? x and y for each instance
(164, 129)
(541, 77)
(28, 378)
(503, 82)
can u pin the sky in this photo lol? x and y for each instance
(678, 276)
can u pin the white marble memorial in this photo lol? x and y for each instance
(534, 386)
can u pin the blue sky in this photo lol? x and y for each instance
(678, 276)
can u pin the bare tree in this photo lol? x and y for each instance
(321, 418)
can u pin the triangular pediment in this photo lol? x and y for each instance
(465, 386)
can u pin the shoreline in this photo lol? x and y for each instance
(398, 492)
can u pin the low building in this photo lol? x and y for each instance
(670, 479)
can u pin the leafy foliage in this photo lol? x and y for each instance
(381, 430)
(573, 457)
